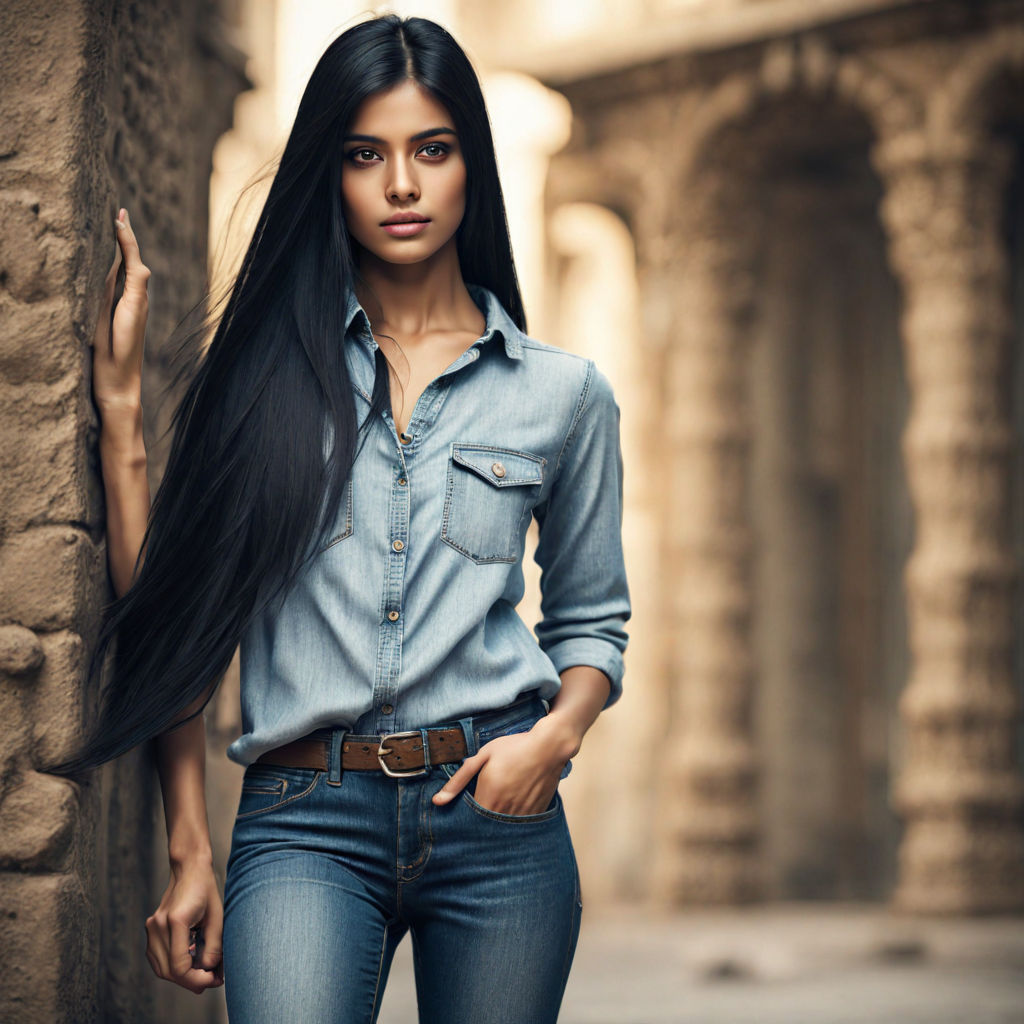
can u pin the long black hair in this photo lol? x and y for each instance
(250, 493)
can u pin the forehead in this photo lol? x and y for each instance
(398, 112)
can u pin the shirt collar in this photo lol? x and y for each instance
(498, 321)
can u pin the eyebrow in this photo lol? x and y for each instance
(440, 130)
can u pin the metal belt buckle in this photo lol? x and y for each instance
(382, 750)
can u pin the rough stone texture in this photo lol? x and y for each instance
(36, 820)
(105, 103)
(55, 709)
(797, 695)
(49, 921)
(20, 650)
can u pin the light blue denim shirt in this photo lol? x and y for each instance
(407, 616)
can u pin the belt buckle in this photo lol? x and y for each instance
(382, 750)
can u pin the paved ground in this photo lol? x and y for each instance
(779, 964)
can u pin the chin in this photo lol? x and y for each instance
(403, 253)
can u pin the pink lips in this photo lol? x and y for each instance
(406, 229)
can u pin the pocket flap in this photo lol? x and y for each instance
(502, 467)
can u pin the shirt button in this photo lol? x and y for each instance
(497, 469)
(401, 481)
(404, 438)
(397, 545)
(392, 615)
(387, 709)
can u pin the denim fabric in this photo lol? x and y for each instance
(323, 881)
(407, 615)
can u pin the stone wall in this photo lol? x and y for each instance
(104, 104)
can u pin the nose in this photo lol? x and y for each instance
(403, 183)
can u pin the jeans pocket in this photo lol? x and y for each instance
(487, 497)
(266, 787)
(468, 797)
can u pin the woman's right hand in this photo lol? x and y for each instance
(191, 900)
(118, 344)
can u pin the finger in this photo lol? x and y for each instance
(156, 946)
(111, 278)
(181, 958)
(136, 272)
(469, 767)
(213, 935)
(101, 336)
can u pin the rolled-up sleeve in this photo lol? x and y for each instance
(584, 593)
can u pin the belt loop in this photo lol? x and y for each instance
(334, 758)
(426, 747)
(467, 731)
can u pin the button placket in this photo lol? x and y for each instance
(391, 630)
(390, 644)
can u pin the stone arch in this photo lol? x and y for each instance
(962, 106)
(588, 178)
(791, 413)
(803, 64)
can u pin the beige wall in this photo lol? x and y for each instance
(100, 109)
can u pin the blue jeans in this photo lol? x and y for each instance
(324, 880)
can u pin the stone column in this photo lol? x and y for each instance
(707, 761)
(960, 791)
(103, 105)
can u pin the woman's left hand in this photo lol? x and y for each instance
(523, 771)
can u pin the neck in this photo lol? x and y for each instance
(415, 298)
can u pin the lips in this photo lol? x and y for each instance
(405, 218)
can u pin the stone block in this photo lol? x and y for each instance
(37, 259)
(37, 820)
(21, 651)
(44, 466)
(58, 701)
(51, 574)
(38, 343)
(48, 970)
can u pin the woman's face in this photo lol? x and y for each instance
(401, 155)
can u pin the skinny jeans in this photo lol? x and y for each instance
(324, 880)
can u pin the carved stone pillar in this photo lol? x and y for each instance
(709, 774)
(960, 791)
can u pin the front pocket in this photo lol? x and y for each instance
(489, 492)
(518, 819)
(266, 787)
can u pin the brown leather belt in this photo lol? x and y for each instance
(397, 753)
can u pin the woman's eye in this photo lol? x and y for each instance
(356, 154)
(439, 148)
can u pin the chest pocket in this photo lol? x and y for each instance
(489, 494)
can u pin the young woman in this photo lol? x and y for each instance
(355, 465)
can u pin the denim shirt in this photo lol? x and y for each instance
(407, 616)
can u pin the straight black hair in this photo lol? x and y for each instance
(250, 491)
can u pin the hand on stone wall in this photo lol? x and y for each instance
(119, 339)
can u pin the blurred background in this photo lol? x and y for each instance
(791, 232)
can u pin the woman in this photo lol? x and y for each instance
(404, 733)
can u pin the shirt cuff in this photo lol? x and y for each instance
(584, 650)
